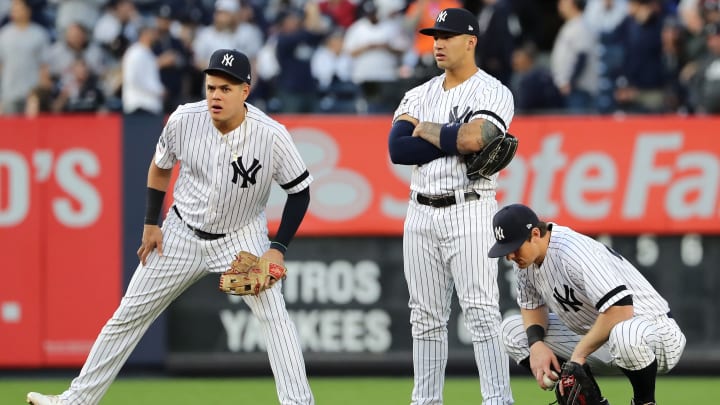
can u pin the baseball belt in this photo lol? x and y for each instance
(440, 201)
(199, 233)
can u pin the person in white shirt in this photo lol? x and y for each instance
(376, 45)
(142, 89)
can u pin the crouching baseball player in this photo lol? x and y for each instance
(583, 307)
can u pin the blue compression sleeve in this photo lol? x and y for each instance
(406, 149)
(295, 208)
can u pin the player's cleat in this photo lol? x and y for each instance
(632, 402)
(604, 402)
(35, 398)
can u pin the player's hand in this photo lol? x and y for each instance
(152, 238)
(542, 361)
(274, 256)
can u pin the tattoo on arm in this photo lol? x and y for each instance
(488, 132)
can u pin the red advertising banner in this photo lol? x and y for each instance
(60, 218)
(596, 174)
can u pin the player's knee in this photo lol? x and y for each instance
(513, 338)
(632, 344)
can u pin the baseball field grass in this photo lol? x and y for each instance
(671, 390)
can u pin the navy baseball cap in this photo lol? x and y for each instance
(230, 62)
(512, 226)
(454, 21)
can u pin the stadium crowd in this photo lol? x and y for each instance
(356, 56)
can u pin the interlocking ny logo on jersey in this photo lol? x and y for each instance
(442, 16)
(457, 117)
(568, 300)
(228, 59)
(248, 174)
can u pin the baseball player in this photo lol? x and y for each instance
(230, 153)
(582, 302)
(449, 215)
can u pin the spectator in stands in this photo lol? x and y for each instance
(603, 17)
(574, 59)
(375, 47)
(248, 32)
(532, 84)
(499, 31)
(641, 88)
(675, 58)
(705, 80)
(75, 44)
(300, 32)
(79, 92)
(41, 98)
(23, 58)
(233, 27)
(142, 89)
(331, 67)
(117, 27)
(219, 34)
(84, 12)
(420, 14)
(174, 59)
(342, 12)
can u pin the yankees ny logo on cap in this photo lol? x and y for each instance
(512, 226)
(454, 21)
(230, 62)
(441, 17)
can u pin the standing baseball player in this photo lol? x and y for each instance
(229, 152)
(454, 114)
(582, 302)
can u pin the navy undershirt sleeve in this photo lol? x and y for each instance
(406, 149)
(295, 208)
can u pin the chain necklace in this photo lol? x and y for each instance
(225, 137)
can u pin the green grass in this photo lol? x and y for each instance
(345, 391)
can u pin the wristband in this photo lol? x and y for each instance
(448, 138)
(535, 333)
(278, 246)
(153, 206)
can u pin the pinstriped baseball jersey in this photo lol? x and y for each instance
(441, 245)
(227, 182)
(580, 277)
(481, 96)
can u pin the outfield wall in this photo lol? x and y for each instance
(72, 202)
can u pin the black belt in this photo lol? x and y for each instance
(439, 201)
(200, 234)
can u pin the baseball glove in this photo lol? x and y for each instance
(492, 158)
(247, 274)
(578, 386)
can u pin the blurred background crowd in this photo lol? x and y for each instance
(357, 56)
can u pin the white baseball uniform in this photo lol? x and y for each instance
(580, 278)
(222, 188)
(445, 247)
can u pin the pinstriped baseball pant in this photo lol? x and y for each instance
(186, 259)
(444, 249)
(632, 345)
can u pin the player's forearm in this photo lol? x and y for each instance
(600, 331)
(408, 150)
(458, 139)
(537, 316)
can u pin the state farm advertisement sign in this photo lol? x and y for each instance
(596, 174)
